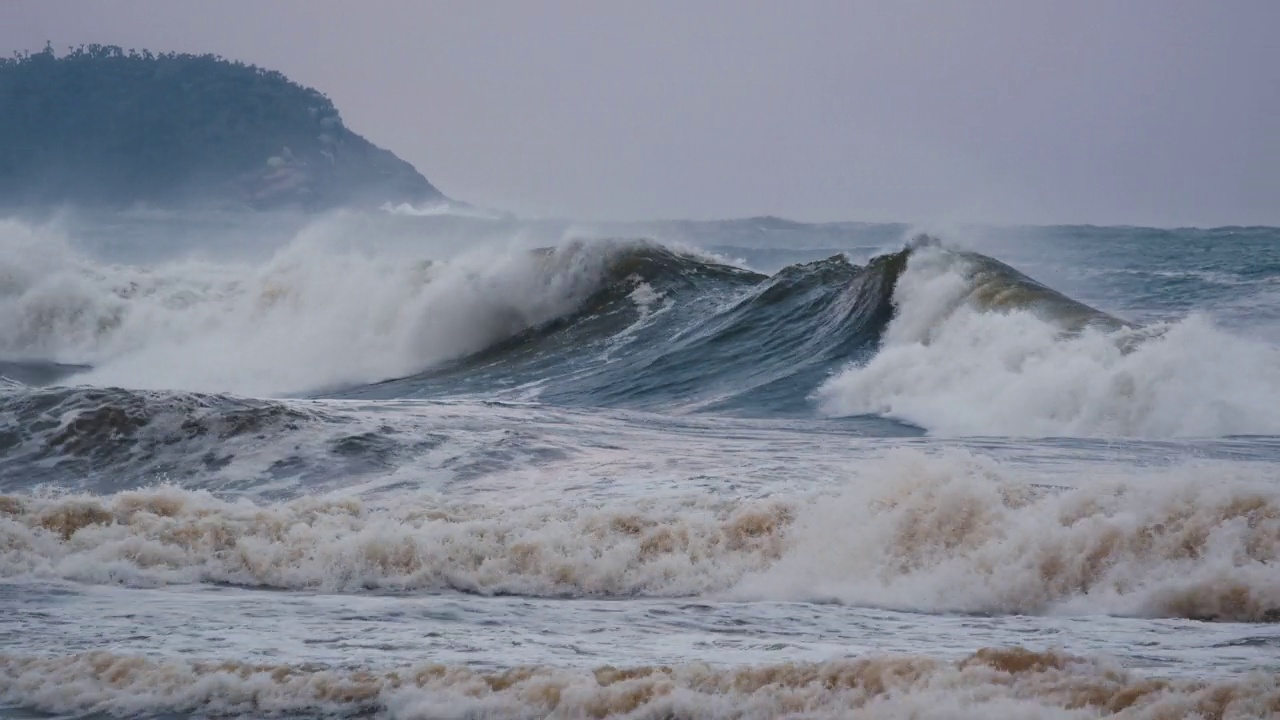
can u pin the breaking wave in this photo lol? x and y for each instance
(912, 531)
(992, 682)
(311, 317)
(934, 338)
(974, 348)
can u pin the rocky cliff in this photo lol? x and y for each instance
(103, 126)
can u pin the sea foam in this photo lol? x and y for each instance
(910, 531)
(956, 365)
(315, 315)
(991, 682)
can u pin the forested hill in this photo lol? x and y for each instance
(101, 125)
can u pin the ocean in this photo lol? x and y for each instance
(413, 464)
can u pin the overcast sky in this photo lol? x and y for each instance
(1162, 112)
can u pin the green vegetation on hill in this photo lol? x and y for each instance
(103, 125)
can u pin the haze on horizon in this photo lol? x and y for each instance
(1152, 112)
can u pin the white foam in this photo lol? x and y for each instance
(910, 531)
(956, 369)
(957, 532)
(176, 536)
(989, 683)
(318, 313)
(645, 298)
(442, 209)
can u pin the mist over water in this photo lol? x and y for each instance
(421, 463)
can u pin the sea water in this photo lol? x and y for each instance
(439, 466)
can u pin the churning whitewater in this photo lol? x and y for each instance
(952, 533)
(949, 341)
(453, 465)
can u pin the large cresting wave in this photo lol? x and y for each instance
(313, 316)
(937, 339)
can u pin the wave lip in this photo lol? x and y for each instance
(672, 331)
(990, 682)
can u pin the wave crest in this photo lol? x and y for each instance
(949, 341)
(972, 350)
(312, 317)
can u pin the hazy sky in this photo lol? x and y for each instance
(1160, 112)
